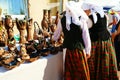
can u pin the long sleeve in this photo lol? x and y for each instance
(57, 31)
(86, 38)
(89, 23)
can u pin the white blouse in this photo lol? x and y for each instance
(85, 35)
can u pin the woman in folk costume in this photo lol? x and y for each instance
(102, 63)
(76, 41)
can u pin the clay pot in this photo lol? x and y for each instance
(21, 25)
(3, 36)
(9, 60)
(23, 53)
(57, 17)
(29, 29)
(44, 22)
(8, 22)
(49, 18)
(37, 31)
(32, 52)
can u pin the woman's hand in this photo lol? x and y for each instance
(87, 56)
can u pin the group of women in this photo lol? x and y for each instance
(90, 53)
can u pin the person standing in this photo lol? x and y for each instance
(102, 63)
(116, 39)
(115, 34)
(76, 41)
(115, 20)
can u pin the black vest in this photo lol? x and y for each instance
(99, 30)
(73, 38)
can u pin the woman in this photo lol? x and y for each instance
(115, 34)
(76, 41)
(102, 63)
(114, 23)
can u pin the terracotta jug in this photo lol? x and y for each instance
(57, 17)
(49, 18)
(29, 29)
(44, 22)
(21, 25)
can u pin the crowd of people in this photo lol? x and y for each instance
(92, 53)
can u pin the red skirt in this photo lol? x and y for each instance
(76, 67)
(102, 63)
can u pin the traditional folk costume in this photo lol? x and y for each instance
(76, 41)
(102, 63)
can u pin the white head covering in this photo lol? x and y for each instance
(94, 8)
(74, 11)
(99, 9)
(86, 6)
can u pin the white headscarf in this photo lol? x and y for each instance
(99, 9)
(74, 11)
(94, 8)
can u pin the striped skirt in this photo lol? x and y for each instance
(76, 67)
(102, 63)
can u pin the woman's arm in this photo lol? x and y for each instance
(86, 38)
(89, 23)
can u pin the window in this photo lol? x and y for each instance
(14, 7)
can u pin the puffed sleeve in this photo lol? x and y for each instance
(57, 31)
